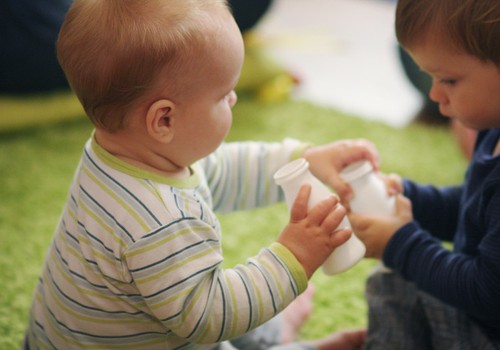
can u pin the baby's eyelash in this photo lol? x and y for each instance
(448, 81)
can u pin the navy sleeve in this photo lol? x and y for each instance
(468, 281)
(435, 209)
(468, 277)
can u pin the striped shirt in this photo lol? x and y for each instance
(135, 262)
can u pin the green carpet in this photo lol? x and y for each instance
(38, 159)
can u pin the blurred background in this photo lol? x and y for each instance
(346, 55)
(343, 52)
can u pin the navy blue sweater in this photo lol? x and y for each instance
(469, 216)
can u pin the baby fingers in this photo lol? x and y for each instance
(322, 210)
(334, 219)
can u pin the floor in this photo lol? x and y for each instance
(345, 51)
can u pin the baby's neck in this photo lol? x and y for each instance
(136, 152)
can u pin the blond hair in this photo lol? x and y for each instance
(111, 51)
(469, 26)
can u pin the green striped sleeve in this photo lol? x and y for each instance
(293, 264)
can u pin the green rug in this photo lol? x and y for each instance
(38, 157)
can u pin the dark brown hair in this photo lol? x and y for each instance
(469, 26)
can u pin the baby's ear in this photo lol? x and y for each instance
(160, 122)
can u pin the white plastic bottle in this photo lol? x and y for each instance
(291, 177)
(370, 192)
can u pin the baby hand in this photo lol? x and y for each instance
(393, 183)
(376, 231)
(312, 236)
(327, 161)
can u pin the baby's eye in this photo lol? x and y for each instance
(448, 81)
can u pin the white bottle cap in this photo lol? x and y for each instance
(356, 170)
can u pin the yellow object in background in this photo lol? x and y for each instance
(261, 77)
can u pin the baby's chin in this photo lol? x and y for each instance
(445, 113)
